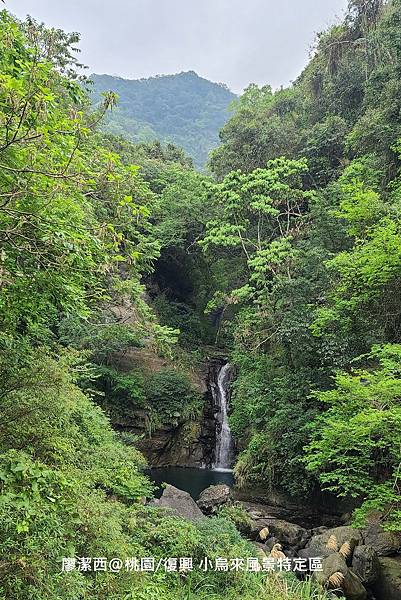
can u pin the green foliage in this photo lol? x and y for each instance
(110, 248)
(72, 214)
(183, 208)
(237, 515)
(194, 327)
(166, 396)
(51, 504)
(29, 487)
(303, 289)
(346, 102)
(260, 214)
(261, 129)
(364, 276)
(262, 226)
(125, 386)
(270, 415)
(172, 396)
(184, 109)
(355, 448)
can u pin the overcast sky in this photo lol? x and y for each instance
(232, 41)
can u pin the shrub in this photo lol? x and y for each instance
(172, 396)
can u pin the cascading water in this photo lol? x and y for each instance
(224, 441)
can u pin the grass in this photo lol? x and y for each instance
(272, 587)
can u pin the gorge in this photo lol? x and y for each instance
(152, 312)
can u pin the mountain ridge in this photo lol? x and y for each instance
(182, 108)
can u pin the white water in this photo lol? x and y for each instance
(224, 441)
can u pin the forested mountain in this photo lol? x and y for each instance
(124, 272)
(184, 109)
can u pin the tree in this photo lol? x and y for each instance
(356, 443)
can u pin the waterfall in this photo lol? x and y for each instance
(224, 441)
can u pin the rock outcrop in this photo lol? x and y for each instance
(179, 503)
(177, 442)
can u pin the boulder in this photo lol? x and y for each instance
(353, 588)
(259, 512)
(260, 546)
(332, 564)
(312, 553)
(388, 585)
(332, 541)
(365, 564)
(289, 534)
(257, 526)
(335, 566)
(307, 553)
(271, 542)
(318, 531)
(179, 503)
(386, 543)
(213, 497)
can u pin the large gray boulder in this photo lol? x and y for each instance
(290, 535)
(213, 497)
(332, 564)
(388, 585)
(386, 543)
(333, 540)
(179, 503)
(258, 525)
(350, 584)
(353, 588)
(318, 530)
(365, 564)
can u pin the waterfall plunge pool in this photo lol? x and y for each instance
(190, 479)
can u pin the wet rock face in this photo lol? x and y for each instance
(179, 503)
(213, 497)
(183, 443)
(388, 586)
(365, 564)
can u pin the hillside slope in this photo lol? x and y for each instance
(184, 109)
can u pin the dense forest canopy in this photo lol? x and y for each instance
(286, 257)
(184, 109)
(317, 238)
